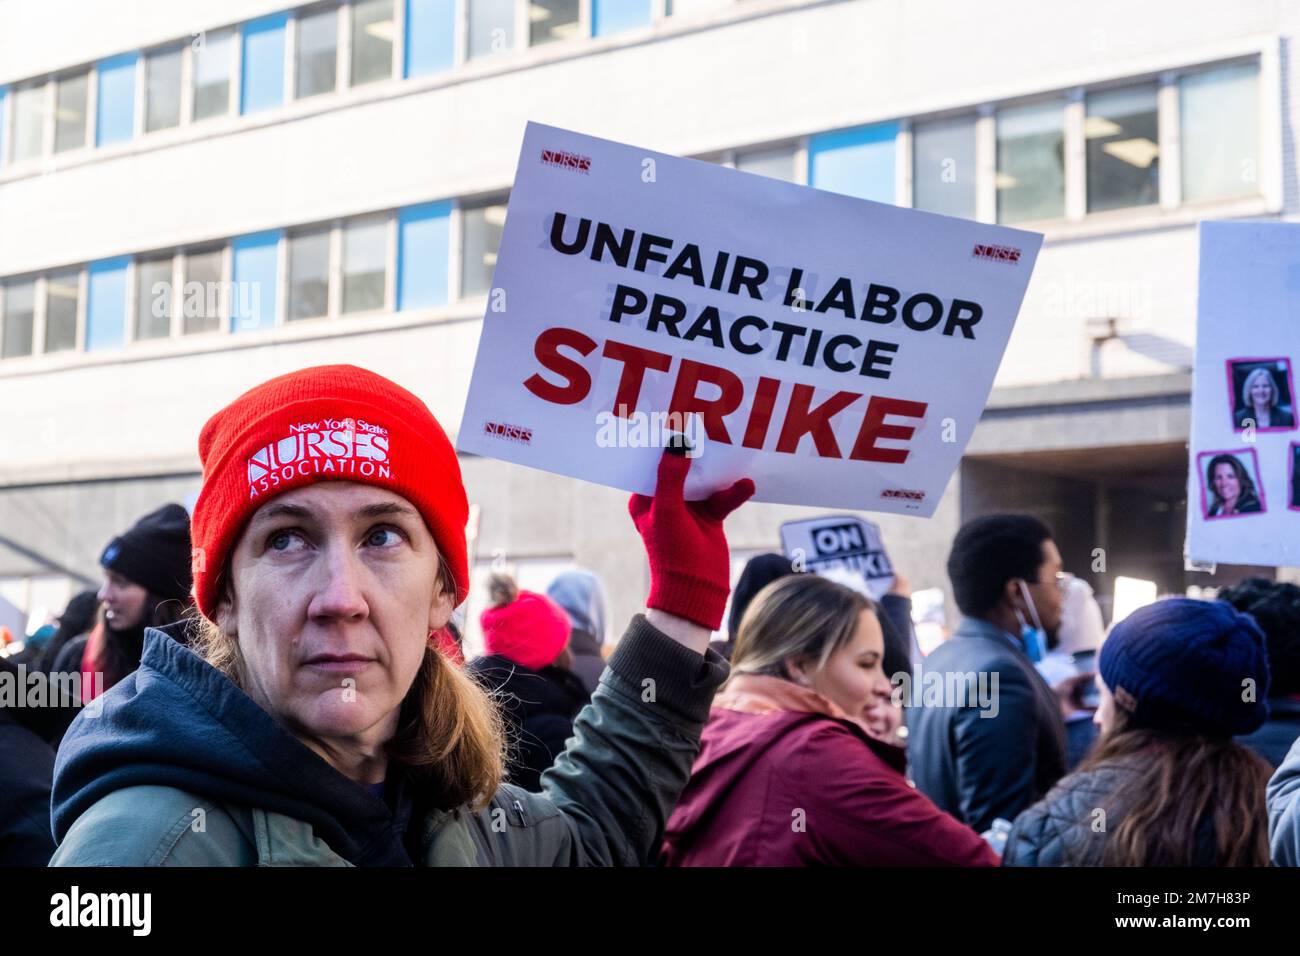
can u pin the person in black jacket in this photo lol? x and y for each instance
(1275, 606)
(527, 667)
(991, 741)
(26, 772)
(1167, 784)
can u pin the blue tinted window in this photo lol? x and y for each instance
(423, 254)
(615, 16)
(106, 304)
(430, 36)
(857, 162)
(253, 298)
(115, 106)
(263, 77)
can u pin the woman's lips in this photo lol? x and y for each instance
(339, 663)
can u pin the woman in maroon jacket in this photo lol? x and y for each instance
(789, 773)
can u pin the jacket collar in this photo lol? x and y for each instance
(975, 627)
(761, 694)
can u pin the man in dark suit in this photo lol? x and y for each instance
(981, 758)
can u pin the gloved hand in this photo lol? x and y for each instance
(690, 564)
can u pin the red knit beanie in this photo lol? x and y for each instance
(332, 422)
(531, 630)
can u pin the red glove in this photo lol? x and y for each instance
(690, 564)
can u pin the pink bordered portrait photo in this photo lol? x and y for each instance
(1261, 394)
(1230, 485)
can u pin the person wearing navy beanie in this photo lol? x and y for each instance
(1166, 785)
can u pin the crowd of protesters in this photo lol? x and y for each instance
(283, 664)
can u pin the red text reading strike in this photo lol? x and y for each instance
(799, 417)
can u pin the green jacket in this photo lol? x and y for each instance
(125, 788)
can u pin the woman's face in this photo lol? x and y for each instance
(1261, 391)
(1226, 484)
(124, 601)
(854, 678)
(335, 592)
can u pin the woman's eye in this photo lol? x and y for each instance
(283, 540)
(383, 537)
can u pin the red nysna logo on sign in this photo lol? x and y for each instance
(996, 253)
(558, 157)
(514, 433)
(903, 493)
(331, 446)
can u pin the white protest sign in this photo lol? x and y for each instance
(1243, 486)
(840, 541)
(837, 351)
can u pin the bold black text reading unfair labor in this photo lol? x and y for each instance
(744, 277)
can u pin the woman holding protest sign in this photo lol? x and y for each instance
(791, 772)
(315, 722)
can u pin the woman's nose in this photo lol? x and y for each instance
(339, 594)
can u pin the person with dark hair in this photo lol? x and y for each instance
(980, 759)
(1167, 785)
(1275, 606)
(527, 668)
(760, 571)
(147, 580)
(1232, 490)
(77, 619)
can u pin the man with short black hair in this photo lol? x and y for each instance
(993, 754)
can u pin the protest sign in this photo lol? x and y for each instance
(837, 351)
(840, 541)
(1243, 486)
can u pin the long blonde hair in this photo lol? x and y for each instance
(449, 731)
(798, 616)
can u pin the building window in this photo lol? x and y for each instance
(162, 89)
(256, 264)
(153, 298)
(614, 16)
(213, 53)
(263, 75)
(491, 27)
(318, 47)
(943, 167)
(365, 260)
(309, 274)
(70, 112)
(62, 296)
(692, 8)
(430, 36)
(28, 122)
(19, 319)
(372, 41)
(856, 162)
(115, 104)
(551, 20)
(204, 291)
(423, 254)
(1219, 120)
(106, 304)
(481, 237)
(776, 163)
(4, 123)
(1123, 155)
(1031, 162)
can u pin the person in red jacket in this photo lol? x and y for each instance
(789, 773)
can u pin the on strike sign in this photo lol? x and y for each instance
(837, 351)
(840, 541)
